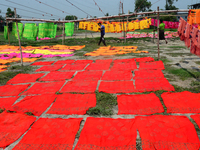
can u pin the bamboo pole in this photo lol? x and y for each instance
(154, 29)
(19, 39)
(158, 33)
(123, 25)
(8, 31)
(63, 39)
(105, 17)
(74, 29)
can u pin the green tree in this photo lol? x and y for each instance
(142, 5)
(169, 5)
(71, 17)
(10, 13)
(107, 14)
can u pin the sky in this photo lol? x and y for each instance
(88, 7)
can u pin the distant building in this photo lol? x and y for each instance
(195, 6)
(183, 15)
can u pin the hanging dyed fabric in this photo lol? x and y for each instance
(14, 29)
(6, 32)
(30, 31)
(69, 28)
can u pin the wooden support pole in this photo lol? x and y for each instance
(123, 24)
(75, 29)
(63, 39)
(8, 30)
(154, 29)
(158, 33)
(19, 39)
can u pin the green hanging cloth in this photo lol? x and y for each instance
(6, 32)
(55, 30)
(29, 31)
(41, 31)
(69, 29)
(14, 29)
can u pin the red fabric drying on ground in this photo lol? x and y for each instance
(62, 62)
(182, 102)
(83, 61)
(50, 68)
(159, 132)
(102, 61)
(57, 76)
(35, 104)
(123, 60)
(144, 104)
(148, 74)
(147, 85)
(107, 133)
(80, 87)
(12, 126)
(68, 104)
(44, 88)
(124, 66)
(6, 103)
(196, 118)
(42, 63)
(117, 87)
(50, 134)
(25, 78)
(144, 59)
(74, 67)
(12, 90)
(117, 75)
(88, 75)
(152, 65)
(99, 66)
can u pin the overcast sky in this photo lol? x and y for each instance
(88, 6)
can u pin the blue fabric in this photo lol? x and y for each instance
(102, 30)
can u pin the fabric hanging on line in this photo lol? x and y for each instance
(13, 126)
(14, 29)
(139, 104)
(6, 32)
(69, 104)
(165, 132)
(46, 30)
(108, 134)
(69, 28)
(50, 134)
(30, 31)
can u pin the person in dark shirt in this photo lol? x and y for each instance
(161, 31)
(102, 29)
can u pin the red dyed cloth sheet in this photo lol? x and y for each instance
(62, 62)
(88, 75)
(6, 103)
(38, 63)
(124, 65)
(44, 88)
(102, 61)
(182, 102)
(50, 134)
(83, 61)
(147, 85)
(159, 132)
(25, 78)
(35, 104)
(148, 74)
(57, 76)
(117, 75)
(139, 104)
(99, 66)
(117, 87)
(196, 118)
(74, 67)
(144, 59)
(107, 133)
(68, 104)
(12, 90)
(80, 86)
(152, 65)
(123, 60)
(12, 126)
(49, 68)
